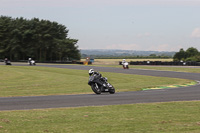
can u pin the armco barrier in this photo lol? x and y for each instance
(174, 63)
(58, 62)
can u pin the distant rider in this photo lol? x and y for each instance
(6, 61)
(123, 61)
(29, 61)
(125, 64)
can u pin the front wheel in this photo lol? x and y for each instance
(96, 88)
(112, 90)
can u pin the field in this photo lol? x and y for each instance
(173, 117)
(164, 68)
(116, 61)
(31, 81)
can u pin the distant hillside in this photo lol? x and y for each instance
(122, 53)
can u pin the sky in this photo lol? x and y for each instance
(147, 25)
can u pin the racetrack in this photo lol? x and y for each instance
(59, 101)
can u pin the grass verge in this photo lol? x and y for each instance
(33, 80)
(116, 61)
(173, 117)
(162, 68)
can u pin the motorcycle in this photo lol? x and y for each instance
(99, 84)
(32, 62)
(125, 65)
(8, 63)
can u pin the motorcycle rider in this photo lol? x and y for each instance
(98, 83)
(125, 64)
(31, 62)
(7, 62)
(123, 61)
(92, 72)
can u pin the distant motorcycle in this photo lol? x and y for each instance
(99, 84)
(8, 63)
(125, 65)
(32, 62)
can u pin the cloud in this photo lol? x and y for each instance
(196, 33)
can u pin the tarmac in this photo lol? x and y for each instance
(188, 93)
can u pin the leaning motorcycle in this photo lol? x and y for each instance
(100, 84)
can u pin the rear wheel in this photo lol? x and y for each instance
(96, 88)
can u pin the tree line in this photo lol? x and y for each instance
(41, 40)
(191, 54)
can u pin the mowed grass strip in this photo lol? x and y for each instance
(34, 80)
(162, 68)
(168, 68)
(115, 63)
(171, 117)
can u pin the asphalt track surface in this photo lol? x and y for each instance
(149, 96)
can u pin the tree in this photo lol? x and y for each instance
(5, 28)
(191, 54)
(180, 55)
(42, 40)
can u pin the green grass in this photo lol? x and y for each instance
(33, 80)
(164, 68)
(116, 61)
(168, 68)
(172, 117)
